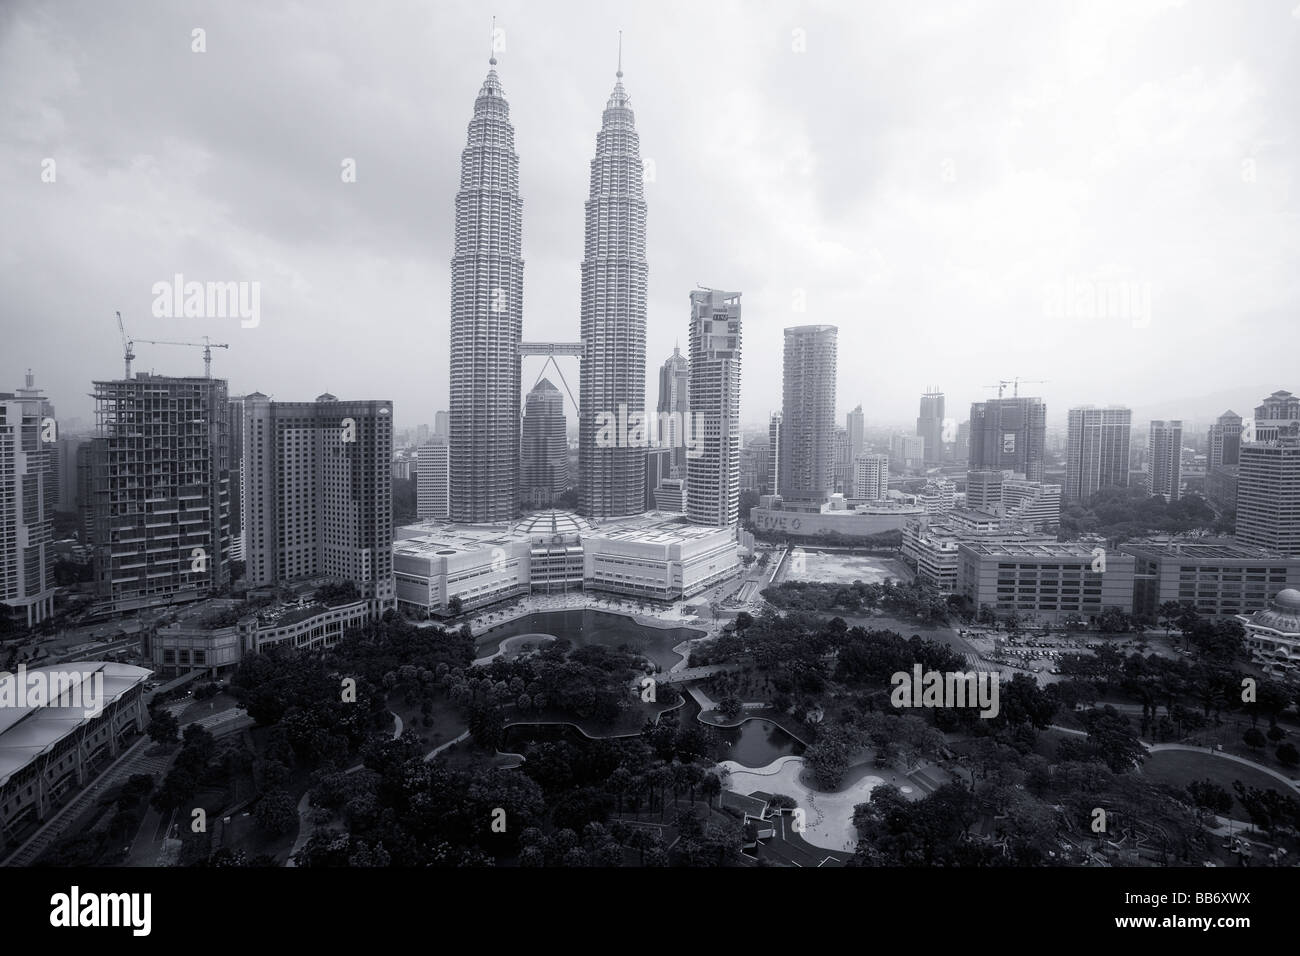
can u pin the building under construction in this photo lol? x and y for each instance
(160, 484)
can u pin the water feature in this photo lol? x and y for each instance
(587, 626)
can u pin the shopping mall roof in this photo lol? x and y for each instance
(27, 731)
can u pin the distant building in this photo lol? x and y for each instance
(1223, 443)
(930, 542)
(1097, 450)
(871, 477)
(929, 426)
(543, 448)
(774, 452)
(807, 451)
(658, 468)
(675, 402)
(984, 488)
(1165, 459)
(834, 522)
(939, 496)
(433, 481)
(1009, 434)
(907, 452)
(1268, 495)
(855, 425)
(1035, 502)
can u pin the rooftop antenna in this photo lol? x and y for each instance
(492, 44)
(619, 74)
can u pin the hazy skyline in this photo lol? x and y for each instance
(922, 178)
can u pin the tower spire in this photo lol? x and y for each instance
(619, 74)
(492, 44)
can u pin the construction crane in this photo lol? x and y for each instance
(128, 348)
(128, 351)
(1015, 385)
(207, 345)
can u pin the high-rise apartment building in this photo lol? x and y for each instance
(713, 470)
(28, 496)
(613, 315)
(544, 447)
(929, 426)
(843, 467)
(1165, 459)
(441, 426)
(1268, 477)
(433, 481)
(320, 493)
(160, 490)
(487, 290)
(1097, 450)
(871, 477)
(1009, 434)
(807, 452)
(774, 453)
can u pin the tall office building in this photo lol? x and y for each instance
(1223, 443)
(1278, 416)
(432, 481)
(65, 470)
(544, 447)
(929, 426)
(614, 269)
(807, 452)
(487, 290)
(27, 500)
(441, 426)
(238, 481)
(855, 423)
(1097, 450)
(842, 482)
(774, 453)
(984, 489)
(961, 447)
(907, 452)
(713, 473)
(871, 477)
(320, 493)
(160, 490)
(1268, 477)
(1165, 459)
(674, 401)
(1009, 434)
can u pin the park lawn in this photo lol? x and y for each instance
(448, 724)
(206, 708)
(1178, 768)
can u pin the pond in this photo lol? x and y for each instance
(586, 626)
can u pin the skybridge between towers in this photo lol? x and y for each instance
(551, 350)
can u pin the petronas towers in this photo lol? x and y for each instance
(487, 294)
(487, 316)
(613, 314)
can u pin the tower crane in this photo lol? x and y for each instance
(128, 348)
(1015, 385)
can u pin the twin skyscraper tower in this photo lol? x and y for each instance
(487, 289)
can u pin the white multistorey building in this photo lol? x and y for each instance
(487, 290)
(652, 556)
(713, 467)
(432, 481)
(871, 477)
(27, 440)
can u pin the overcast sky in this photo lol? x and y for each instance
(949, 183)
